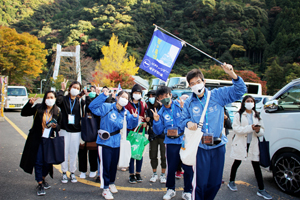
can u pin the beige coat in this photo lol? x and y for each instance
(239, 143)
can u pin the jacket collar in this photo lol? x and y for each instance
(194, 96)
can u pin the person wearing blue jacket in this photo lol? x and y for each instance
(112, 117)
(211, 155)
(167, 121)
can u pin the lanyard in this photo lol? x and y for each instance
(136, 108)
(206, 118)
(72, 106)
(47, 120)
(171, 114)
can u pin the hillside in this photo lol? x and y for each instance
(258, 35)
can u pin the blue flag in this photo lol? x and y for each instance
(161, 55)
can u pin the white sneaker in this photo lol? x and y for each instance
(64, 178)
(162, 178)
(113, 188)
(92, 174)
(73, 178)
(186, 196)
(107, 194)
(82, 175)
(169, 195)
(153, 178)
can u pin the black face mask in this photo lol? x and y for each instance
(166, 101)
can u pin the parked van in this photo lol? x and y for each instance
(281, 117)
(17, 97)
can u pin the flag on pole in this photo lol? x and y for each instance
(119, 88)
(161, 55)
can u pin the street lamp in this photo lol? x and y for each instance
(42, 85)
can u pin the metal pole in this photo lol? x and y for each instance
(41, 89)
(190, 45)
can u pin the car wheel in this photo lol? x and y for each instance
(286, 173)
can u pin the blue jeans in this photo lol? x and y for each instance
(138, 164)
(41, 168)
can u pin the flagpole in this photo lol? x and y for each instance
(190, 45)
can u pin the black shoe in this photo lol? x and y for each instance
(40, 190)
(46, 185)
(132, 179)
(97, 179)
(138, 178)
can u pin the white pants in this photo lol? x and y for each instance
(72, 141)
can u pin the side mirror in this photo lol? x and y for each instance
(271, 106)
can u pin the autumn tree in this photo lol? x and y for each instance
(115, 61)
(22, 56)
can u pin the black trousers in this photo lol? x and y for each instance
(256, 168)
(82, 160)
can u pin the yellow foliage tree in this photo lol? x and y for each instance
(115, 60)
(22, 56)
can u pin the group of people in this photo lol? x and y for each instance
(163, 118)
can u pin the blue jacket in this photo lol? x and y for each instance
(192, 109)
(112, 121)
(165, 122)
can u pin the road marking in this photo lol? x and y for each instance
(87, 182)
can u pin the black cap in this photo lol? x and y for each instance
(136, 88)
(153, 92)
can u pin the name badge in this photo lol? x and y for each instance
(207, 138)
(172, 132)
(71, 119)
(46, 133)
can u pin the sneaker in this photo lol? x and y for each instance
(92, 174)
(40, 190)
(162, 178)
(138, 178)
(97, 179)
(132, 179)
(178, 174)
(264, 194)
(46, 185)
(73, 178)
(107, 194)
(113, 188)
(82, 175)
(64, 178)
(153, 178)
(186, 196)
(231, 185)
(170, 194)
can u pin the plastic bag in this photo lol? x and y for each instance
(138, 143)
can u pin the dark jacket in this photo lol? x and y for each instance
(64, 103)
(35, 135)
(149, 113)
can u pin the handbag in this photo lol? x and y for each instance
(189, 149)
(54, 149)
(138, 143)
(125, 146)
(89, 128)
(264, 153)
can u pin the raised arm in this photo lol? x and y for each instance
(98, 107)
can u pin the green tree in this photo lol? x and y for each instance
(274, 76)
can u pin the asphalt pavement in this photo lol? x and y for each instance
(16, 184)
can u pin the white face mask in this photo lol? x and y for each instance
(50, 102)
(249, 106)
(122, 101)
(74, 92)
(137, 96)
(198, 89)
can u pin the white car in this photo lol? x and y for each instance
(281, 117)
(17, 97)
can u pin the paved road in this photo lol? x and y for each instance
(16, 184)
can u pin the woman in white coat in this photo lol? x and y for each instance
(247, 127)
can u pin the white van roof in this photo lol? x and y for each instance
(12, 86)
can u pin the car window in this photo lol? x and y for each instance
(290, 100)
(258, 99)
(16, 92)
(266, 99)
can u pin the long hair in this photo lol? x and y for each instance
(43, 107)
(243, 108)
(155, 105)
